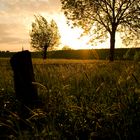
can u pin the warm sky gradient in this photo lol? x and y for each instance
(16, 17)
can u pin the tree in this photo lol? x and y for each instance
(66, 48)
(103, 18)
(44, 35)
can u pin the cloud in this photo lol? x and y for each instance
(19, 11)
(10, 40)
(31, 6)
(12, 34)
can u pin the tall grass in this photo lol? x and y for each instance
(82, 100)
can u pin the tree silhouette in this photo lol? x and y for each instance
(103, 18)
(44, 35)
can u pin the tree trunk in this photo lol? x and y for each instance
(45, 52)
(112, 45)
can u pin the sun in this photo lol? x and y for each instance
(71, 37)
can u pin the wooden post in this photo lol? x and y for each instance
(22, 67)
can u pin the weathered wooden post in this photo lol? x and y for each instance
(25, 91)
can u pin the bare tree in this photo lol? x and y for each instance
(101, 18)
(44, 35)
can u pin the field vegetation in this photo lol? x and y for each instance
(82, 100)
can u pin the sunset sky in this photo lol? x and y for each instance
(16, 17)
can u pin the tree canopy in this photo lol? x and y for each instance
(44, 35)
(103, 18)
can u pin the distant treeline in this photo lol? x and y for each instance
(103, 54)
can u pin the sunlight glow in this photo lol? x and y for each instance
(71, 36)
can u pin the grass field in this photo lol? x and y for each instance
(83, 100)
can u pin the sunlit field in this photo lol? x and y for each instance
(83, 100)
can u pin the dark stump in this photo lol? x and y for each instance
(26, 92)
